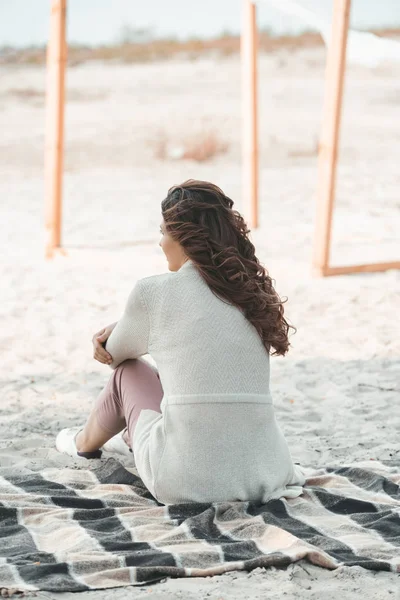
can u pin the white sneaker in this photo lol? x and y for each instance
(65, 443)
(118, 445)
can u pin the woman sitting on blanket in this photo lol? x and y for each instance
(201, 426)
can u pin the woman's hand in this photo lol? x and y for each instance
(100, 353)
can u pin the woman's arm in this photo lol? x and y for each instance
(130, 337)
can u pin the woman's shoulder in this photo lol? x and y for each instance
(168, 285)
(152, 282)
(158, 284)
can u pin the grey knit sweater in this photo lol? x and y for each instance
(216, 438)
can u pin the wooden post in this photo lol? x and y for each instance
(249, 49)
(54, 143)
(328, 147)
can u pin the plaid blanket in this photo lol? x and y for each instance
(79, 529)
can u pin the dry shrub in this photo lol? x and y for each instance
(200, 147)
(76, 95)
(204, 147)
(31, 94)
(312, 150)
(26, 93)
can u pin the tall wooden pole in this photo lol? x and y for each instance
(249, 50)
(54, 144)
(329, 142)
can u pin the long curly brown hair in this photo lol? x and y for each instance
(199, 216)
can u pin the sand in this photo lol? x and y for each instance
(336, 393)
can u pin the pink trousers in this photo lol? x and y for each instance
(133, 386)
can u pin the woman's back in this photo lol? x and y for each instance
(202, 344)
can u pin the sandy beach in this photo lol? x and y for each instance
(337, 392)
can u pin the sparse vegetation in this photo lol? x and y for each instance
(137, 46)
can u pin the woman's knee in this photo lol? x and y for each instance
(137, 366)
(137, 378)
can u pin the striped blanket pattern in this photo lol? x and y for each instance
(77, 529)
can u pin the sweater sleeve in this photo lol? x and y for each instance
(130, 336)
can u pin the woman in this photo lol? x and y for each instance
(202, 428)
